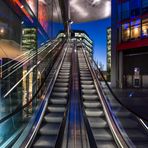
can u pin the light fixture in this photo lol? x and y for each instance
(2, 30)
(22, 6)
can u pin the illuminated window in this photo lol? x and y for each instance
(135, 29)
(145, 27)
(125, 32)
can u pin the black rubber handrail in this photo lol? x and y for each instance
(116, 98)
(113, 94)
(118, 137)
(20, 108)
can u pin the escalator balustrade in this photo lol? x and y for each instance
(52, 120)
(93, 107)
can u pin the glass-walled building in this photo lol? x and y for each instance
(129, 42)
(26, 29)
(82, 37)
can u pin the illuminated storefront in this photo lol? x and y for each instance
(130, 41)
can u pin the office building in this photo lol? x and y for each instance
(129, 42)
(82, 37)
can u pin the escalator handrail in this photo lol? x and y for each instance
(121, 142)
(42, 108)
(20, 108)
(116, 98)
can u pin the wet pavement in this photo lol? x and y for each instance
(135, 99)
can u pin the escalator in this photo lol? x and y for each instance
(93, 108)
(112, 124)
(49, 129)
(74, 112)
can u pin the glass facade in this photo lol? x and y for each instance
(135, 6)
(24, 58)
(132, 18)
(144, 6)
(145, 27)
(135, 29)
(125, 32)
(125, 10)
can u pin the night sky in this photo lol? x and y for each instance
(97, 32)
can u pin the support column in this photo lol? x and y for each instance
(121, 70)
(114, 40)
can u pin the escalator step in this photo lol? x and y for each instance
(61, 101)
(97, 122)
(86, 78)
(87, 82)
(49, 129)
(53, 117)
(59, 94)
(61, 89)
(106, 144)
(91, 104)
(45, 142)
(56, 109)
(90, 97)
(63, 76)
(102, 134)
(57, 84)
(62, 80)
(94, 112)
(89, 91)
(88, 86)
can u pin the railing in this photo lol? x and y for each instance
(32, 128)
(114, 129)
(91, 139)
(119, 130)
(60, 138)
(18, 118)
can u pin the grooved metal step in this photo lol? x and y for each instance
(53, 117)
(45, 142)
(56, 109)
(49, 129)
(57, 101)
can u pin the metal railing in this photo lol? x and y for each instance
(119, 139)
(21, 108)
(35, 123)
(119, 131)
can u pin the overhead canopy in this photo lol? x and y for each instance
(89, 10)
(82, 10)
